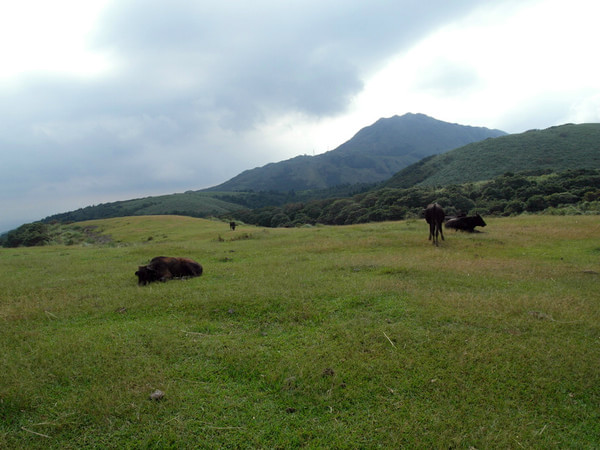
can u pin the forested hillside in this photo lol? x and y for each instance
(374, 154)
(569, 192)
(556, 148)
(202, 203)
(194, 204)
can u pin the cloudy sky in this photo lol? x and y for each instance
(106, 100)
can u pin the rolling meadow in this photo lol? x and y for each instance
(357, 336)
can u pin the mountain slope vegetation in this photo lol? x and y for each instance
(535, 153)
(191, 203)
(556, 148)
(575, 192)
(568, 192)
(201, 204)
(374, 154)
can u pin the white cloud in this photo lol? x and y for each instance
(586, 110)
(487, 67)
(49, 37)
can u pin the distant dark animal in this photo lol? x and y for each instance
(163, 268)
(434, 215)
(232, 225)
(467, 223)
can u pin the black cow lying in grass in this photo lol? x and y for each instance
(466, 223)
(163, 268)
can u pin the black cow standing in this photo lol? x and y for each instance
(434, 215)
(467, 223)
(232, 226)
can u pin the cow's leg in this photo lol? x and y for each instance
(441, 232)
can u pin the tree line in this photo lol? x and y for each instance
(568, 192)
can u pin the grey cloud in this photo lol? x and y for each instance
(253, 58)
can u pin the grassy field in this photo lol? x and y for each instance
(349, 337)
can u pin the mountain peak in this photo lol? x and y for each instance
(374, 154)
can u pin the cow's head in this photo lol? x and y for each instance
(479, 221)
(146, 275)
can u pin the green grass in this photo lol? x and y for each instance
(346, 337)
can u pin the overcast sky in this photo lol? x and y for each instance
(106, 100)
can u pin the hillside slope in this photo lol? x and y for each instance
(194, 204)
(556, 148)
(374, 154)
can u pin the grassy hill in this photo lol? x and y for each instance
(374, 154)
(191, 203)
(557, 148)
(200, 204)
(361, 336)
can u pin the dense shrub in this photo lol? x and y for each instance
(28, 235)
(38, 233)
(514, 207)
(572, 191)
(536, 203)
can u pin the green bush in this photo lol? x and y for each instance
(28, 235)
(514, 207)
(536, 203)
(506, 195)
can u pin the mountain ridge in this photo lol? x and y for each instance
(567, 146)
(372, 155)
(579, 143)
